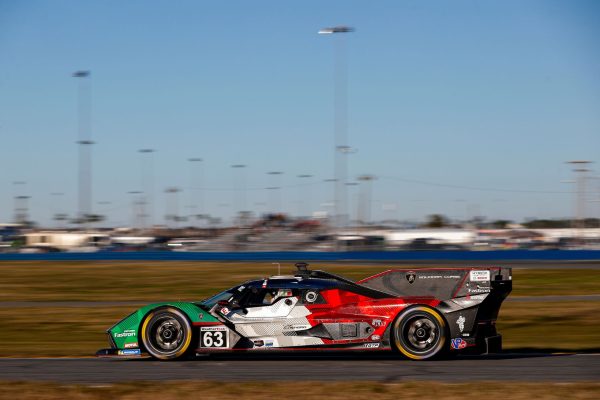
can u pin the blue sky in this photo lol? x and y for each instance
(480, 94)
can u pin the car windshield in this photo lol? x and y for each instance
(211, 301)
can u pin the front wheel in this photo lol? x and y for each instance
(166, 333)
(420, 333)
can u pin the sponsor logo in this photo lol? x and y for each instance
(130, 352)
(479, 276)
(268, 343)
(259, 343)
(466, 334)
(461, 323)
(377, 323)
(130, 345)
(439, 277)
(224, 311)
(479, 290)
(213, 328)
(375, 337)
(126, 333)
(410, 277)
(458, 344)
(296, 327)
(371, 345)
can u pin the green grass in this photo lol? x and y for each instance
(300, 390)
(150, 281)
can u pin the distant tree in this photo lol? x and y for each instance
(436, 221)
(501, 223)
(548, 223)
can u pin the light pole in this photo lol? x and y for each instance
(147, 197)
(579, 167)
(275, 190)
(196, 194)
(172, 204)
(304, 196)
(136, 200)
(57, 215)
(239, 192)
(84, 116)
(366, 193)
(351, 185)
(20, 206)
(340, 121)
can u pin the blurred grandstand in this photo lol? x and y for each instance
(278, 232)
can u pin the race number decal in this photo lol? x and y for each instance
(214, 336)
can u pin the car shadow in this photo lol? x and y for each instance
(274, 355)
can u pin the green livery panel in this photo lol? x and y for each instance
(125, 333)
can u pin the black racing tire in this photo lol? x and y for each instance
(166, 333)
(420, 333)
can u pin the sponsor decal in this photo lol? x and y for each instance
(458, 344)
(126, 333)
(479, 290)
(268, 343)
(375, 337)
(439, 277)
(377, 323)
(461, 323)
(284, 293)
(410, 277)
(296, 327)
(241, 288)
(466, 334)
(130, 352)
(130, 345)
(479, 276)
(259, 343)
(264, 284)
(371, 345)
(224, 311)
(200, 315)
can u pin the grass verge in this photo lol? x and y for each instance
(175, 280)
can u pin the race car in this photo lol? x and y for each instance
(420, 314)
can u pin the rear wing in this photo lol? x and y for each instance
(442, 283)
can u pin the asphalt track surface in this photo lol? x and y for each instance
(279, 367)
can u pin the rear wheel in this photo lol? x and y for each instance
(419, 333)
(166, 333)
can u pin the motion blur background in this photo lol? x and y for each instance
(448, 132)
(215, 126)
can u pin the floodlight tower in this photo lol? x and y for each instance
(341, 149)
(367, 188)
(196, 195)
(579, 167)
(146, 199)
(239, 190)
(84, 131)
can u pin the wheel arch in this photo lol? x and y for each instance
(438, 314)
(147, 316)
